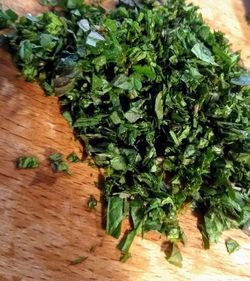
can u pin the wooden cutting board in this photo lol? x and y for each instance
(44, 221)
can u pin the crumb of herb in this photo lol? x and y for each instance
(58, 164)
(78, 260)
(72, 157)
(92, 202)
(232, 245)
(27, 162)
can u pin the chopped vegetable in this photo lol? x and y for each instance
(175, 256)
(57, 163)
(72, 157)
(92, 202)
(7, 17)
(125, 256)
(160, 102)
(78, 260)
(27, 162)
(232, 246)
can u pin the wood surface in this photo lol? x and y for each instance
(44, 221)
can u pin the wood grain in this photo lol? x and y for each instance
(44, 222)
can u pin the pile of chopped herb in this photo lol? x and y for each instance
(160, 102)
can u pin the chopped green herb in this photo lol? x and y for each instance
(160, 102)
(27, 162)
(72, 157)
(232, 246)
(175, 256)
(92, 202)
(57, 163)
(125, 256)
(56, 157)
(78, 260)
(7, 17)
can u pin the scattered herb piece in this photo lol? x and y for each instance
(174, 256)
(72, 157)
(49, 3)
(27, 162)
(78, 260)
(92, 202)
(232, 246)
(57, 163)
(7, 18)
(160, 102)
(125, 256)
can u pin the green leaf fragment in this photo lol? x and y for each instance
(54, 24)
(49, 3)
(203, 53)
(68, 117)
(118, 163)
(92, 202)
(7, 17)
(57, 163)
(25, 51)
(123, 82)
(133, 115)
(159, 106)
(56, 157)
(48, 42)
(125, 256)
(232, 246)
(115, 216)
(94, 37)
(27, 162)
(78, 260)
(72, 157)
(174, 257)
(74, 4)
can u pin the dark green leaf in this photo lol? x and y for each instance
(125, 256)
(127, 241)
(72, 157)
(57, 163)
(7, 17)
(114, 216)
(74, 4)
(27, 162)
(25, 51)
